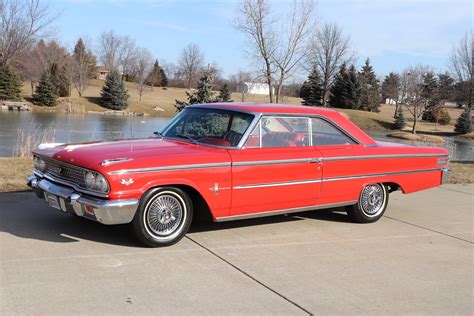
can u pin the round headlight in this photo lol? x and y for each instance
(100, 183)
(90, 180)
(39, 164)
(95, 181)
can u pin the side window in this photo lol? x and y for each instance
(254, 138)
(285, 131)
(324, 133)
(240, 122)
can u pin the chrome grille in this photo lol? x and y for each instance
(65, 171)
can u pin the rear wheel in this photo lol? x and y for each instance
(371, 206)
(163, 217)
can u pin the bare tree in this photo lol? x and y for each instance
(34, 62)
(117, 52)
(109, 46)
(128, 53)
(23, 22)
(412, 92)
(256, 22)
(292, 44)
(329, 49)
(142, 67)
(461, 62)
(174, 73)
(191, 62)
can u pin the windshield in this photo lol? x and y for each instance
(209, 126)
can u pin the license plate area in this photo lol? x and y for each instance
(53, 201)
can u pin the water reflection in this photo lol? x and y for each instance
(74, 128)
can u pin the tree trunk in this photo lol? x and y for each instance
(325, 93)
(413, 129)
(278, 91)
(396, 109)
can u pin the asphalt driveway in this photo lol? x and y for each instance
(417, 259)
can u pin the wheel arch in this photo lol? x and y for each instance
(201, 209)
(393, 186)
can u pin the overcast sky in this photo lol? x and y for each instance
(393, 34)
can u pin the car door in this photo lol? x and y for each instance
(277, 169)
(335, 145)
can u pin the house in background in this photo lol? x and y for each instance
(102, 72)
(254, 88)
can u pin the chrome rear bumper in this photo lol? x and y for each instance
(108, 212)
(445, 175)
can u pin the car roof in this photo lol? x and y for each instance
(340, 120)
(269, 108)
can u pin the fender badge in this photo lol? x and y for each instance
(126, 181)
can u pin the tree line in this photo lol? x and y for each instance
(280, 49)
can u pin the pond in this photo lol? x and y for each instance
(78, 128)
(74, 128)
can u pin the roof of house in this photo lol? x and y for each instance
(102, 69)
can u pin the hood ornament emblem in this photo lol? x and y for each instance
(126, 181)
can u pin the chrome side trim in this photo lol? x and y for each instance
(371, 175)
(283, 211)
(171, 168)
(275, 184)
(384, 157)
(272, 162)
(362, 176)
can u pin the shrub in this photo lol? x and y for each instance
(464, 122)
(399, 119)
(438, 115)
(441, 116)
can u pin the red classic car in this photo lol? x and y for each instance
(234, 161)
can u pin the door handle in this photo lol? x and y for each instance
(315, 160)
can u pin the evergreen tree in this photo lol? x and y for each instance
(85, 58)
(338, 87)
(154, 78)
(445, 88)
(10, 85)
(399, 119)
(345, 92)
(390, 87)
(429, 94)
(224, 94)
(59, 80)
(45, 93)
(369, 88)
(164, 78)
(114, 95)
(203, 93)
(390, 90)
(312, 89)
(464, 122)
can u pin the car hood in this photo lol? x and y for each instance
(132, 153)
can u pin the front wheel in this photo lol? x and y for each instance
(372, 203)
(163, 217)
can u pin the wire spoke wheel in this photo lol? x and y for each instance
(164, 214)
(372, 200)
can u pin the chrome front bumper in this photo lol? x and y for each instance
(445, 175)
(108, 212)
